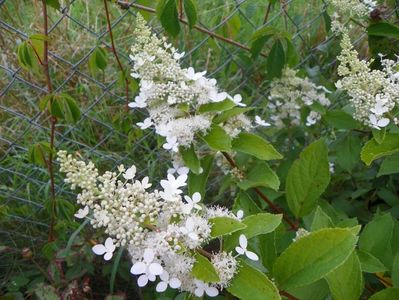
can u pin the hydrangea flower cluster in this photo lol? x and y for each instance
(173, 96)
(163, 230)
(373, 93)
(290, 93)
(349, 9)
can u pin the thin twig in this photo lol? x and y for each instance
(288, 295)
(53, 121)
(269, 6)
(273, 206)
(196, 27)
(117, 56)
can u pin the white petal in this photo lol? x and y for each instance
(199, 292)
(161, 287)
(193, 236)
(99, 249)
(240, 214)
(383, 122)
(108, 256)
(142, 281)
(151, 277)
(251, 255)
(164, 276)
(183, 230)
(155, 269)
(138, 268)
(196, 197)
(175, 283)
(190, 224)
(81, 213)
(109, 244)
(148, 255)
(243, 241)
(211, 291)
(240, 250)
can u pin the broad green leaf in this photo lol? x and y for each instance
(307, 179)
(258, 224)
(27, 57)
(255, 145)
(260, 175)
(37, 43)
(204, 270)
(370, 263)
(39, 153)
(372, 150)
(383, 29)
(190, 159)
(320, 220)
(387, 294)
(395, 271)
(292, 54)
(197, 183)
(275, 60)
(218, 139)
(53, 3)
(224, 116)
(216, 106)
(244, 202)
(390, 165)
(44, 102)
(348, 152)
(252, 284)
(69, 108)
(46, 292)
(191, 12)
(225, 225)
(168, 16)
(376, 238)
(259, 39)
(379, 135)
(97, 60)
(340, 120)
(315, 291)
(346, 281)
(313, 256)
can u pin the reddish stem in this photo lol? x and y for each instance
(116, 55)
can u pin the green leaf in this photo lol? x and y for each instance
(292, 54)
(346, 281)
(348, 152)
(45, 101)
(197, 183)
(260, 175)
(376, 238)
(370, 263)
(340, 120)
(191, 12)
(251, 284)
(168, 16)
(259, 38)
(224, 225)
(372, 150)
(70, 108)
(204, 270)
(216, 106)
(255, 145)
(320, 220)
(275, 60)
(39, 153)
(313, 256)
(307, 179)
(224, 116)
(258, 224)
(218, 139)
(387, 294)
(379, 135)
(46, 292)
(390, 165)
(53, 3)
(395, 271)
(190, 159)
(97, 60)
(383, 29)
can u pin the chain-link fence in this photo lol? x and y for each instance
(105, 132)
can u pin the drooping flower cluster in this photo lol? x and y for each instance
(373, 93)
(346, 9)
(289, 94)
(176, 97)
(161, 229)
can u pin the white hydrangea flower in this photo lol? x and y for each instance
(147, 268)
(171, 187)
(130, 173)
(204, 288)
(107, 249)
(242, 249)
(259, 121)
(145, 124)
(192, 203)
(82, 212)
(174, 282)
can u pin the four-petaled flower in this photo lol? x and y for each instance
(178, 55)
(145, 124)
(261, 122)
(242, 249)
(82, 212)
(203, 287)
(147, 268)
(188, 229)
(172, 185)
(107, 249)
(237, 100)
(377, 124)
(191, 75)
(217, 97)
(174, 283)
(130, 173)
(192, 203)
(171, 144)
